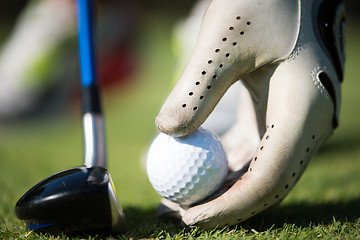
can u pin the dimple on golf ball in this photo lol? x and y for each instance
(187, 169)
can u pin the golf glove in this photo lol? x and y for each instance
(289, 55)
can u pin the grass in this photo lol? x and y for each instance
(324, 204)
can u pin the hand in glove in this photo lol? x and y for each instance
(290, 56)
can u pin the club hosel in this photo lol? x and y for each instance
(94, 140)
(93, 127)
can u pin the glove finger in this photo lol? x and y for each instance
(230, 45)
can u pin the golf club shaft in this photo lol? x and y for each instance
(93, 123)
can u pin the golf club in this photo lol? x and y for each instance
(81, 199)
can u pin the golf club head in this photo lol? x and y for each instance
(80, 199)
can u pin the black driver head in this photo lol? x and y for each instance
(76, 200)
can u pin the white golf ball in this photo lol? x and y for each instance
(187, 169)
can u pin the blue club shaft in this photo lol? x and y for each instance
(86, 42)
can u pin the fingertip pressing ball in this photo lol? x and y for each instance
(188, 169)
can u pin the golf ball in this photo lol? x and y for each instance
(187, 169)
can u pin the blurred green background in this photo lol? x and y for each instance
(35, 147)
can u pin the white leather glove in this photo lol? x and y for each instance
(290, 56)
